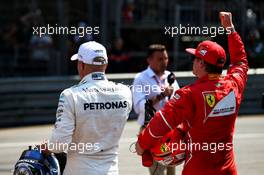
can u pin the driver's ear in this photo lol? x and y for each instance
(82, 65)
(203, 65)
(202, 62)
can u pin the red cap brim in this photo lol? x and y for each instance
(190, 50)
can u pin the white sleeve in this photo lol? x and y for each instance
(64, 126)
(128, 96)
(139, 96)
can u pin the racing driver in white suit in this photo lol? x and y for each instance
(91, 117)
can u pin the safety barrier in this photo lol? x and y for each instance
(34, 100)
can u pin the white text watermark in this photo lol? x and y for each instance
(64, 30)
(211, 31)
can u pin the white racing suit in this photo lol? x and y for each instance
(89, 122)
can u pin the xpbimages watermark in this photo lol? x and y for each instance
(81, 148)
(211, 31)
(64, 30)
(204, 146)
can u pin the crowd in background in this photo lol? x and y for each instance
(25, 54)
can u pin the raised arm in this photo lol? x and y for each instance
(238, 58)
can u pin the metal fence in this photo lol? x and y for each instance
(34, 100)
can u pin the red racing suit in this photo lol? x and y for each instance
(210, 107)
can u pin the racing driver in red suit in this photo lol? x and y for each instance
(209, 107)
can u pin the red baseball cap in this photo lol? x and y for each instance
(210, 52)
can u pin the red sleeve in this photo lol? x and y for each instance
(179, 108)
(238, 59)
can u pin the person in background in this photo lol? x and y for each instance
(152, 84)
(118, 58)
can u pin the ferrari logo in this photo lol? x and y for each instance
(163, 148)
(210, 99)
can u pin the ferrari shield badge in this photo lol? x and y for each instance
(210, 99)
(164, 148)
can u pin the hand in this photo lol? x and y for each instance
(168, 91)
(226, 20)
(139, 150)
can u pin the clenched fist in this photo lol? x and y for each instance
(168, 91)
(226, 20)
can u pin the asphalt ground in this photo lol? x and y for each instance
(249, 146)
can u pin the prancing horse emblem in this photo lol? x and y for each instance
(210, 99)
